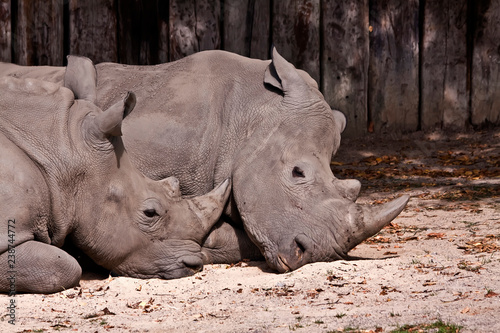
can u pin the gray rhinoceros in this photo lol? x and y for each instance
(65, 176)
(264, 124)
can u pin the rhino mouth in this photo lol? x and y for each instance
(282, 265)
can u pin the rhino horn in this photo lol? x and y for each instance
(172, 186)
(208, 208)
(371, 220)
(109, 122)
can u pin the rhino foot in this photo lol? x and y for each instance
(38, 268)
(227, 244)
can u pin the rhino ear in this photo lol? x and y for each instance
(284, 76)
(271, 77)
(340, 120)
(109, 122)
(81, 78)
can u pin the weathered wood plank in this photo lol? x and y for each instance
(22, 29)
(444, 95)
(37, 32)
(485, 103)
(5, 31)
(238, 17)
(93, 26)
(138, 32)
(393, 70)
(345, 61)
(163, 33)
(246, 27)
(208, 15)
(261, 24)
(194, 26)
(48, 32)
(296, 33)
(182, 26)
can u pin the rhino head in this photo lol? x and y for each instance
(291, 204)
(126, 222)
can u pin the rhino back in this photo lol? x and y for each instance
(190, 116)
(46, 73)
(24, 196)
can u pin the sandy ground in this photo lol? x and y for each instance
(439, 261)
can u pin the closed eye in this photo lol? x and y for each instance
(298, 172)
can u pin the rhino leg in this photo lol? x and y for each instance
(38, 268)
(227, 244)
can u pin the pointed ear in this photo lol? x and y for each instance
(340, 120)
(284, 76)
(81, 78)
(271, 77)
(109, 122)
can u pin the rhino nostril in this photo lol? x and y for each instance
(193, 263)
(303, 244)
(299, 251)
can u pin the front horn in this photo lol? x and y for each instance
(368, 220)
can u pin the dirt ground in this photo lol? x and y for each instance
(437, 266)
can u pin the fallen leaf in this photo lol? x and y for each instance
(429, 283)
(465, 310)
(435, 235)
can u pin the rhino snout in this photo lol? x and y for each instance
(193, 263)
(299, 254)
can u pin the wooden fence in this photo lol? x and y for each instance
(389, 65)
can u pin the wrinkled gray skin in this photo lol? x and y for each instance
(216, 115)
(64, 175)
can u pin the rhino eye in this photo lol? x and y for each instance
(298, 172)
(151, 212)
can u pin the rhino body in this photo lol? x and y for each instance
(65, 176)
(264, 124)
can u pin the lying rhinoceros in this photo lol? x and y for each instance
(64, 175)
(216, 115)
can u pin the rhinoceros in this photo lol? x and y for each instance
(65, 176)
(265, 125)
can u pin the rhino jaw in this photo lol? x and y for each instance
(366, 221)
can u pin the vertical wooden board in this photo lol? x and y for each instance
(393, 81)
(261, 29)
(48, 34)
(5, 31)
(92, 29)
(296, 33)
(345, 61)
(208, 14)
(22, 32)
(138, 32)
(182, 26)
(194, 26)
(163, 35)
(444, 95)
(485, 99)
(237, 29)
